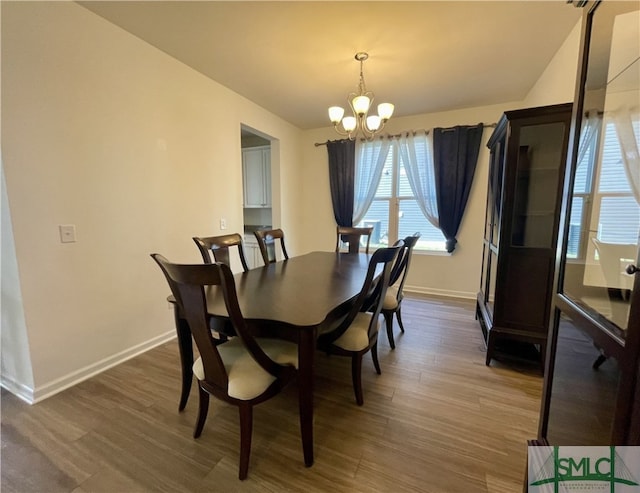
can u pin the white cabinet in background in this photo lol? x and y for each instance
(252, 252)
(256, 176)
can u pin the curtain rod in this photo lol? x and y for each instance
(414, 132)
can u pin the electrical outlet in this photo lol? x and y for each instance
(223, 223)
(67, 233)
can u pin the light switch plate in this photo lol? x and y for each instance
(67, 233)
(223, 223)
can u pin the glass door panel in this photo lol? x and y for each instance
(577, 386)
(540, 157)
(485, 268)
(591, 394)
(605, 217)
(493, 274)
(494, 202)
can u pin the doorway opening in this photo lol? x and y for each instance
(256, 189)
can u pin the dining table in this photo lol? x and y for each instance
(297, 300)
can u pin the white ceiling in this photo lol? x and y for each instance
(296, 58)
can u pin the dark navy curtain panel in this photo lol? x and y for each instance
(342, 165)
(455, 155)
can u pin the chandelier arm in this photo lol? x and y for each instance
(344, 133)
(368, 133)
(337, 129)
(350, 98)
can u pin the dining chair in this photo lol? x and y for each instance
(243, 371)
(351, 236)
(393, 298)
(266, 242)
(357, 333)
(216, 249)
(219, 246)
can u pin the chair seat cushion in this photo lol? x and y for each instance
(390, 299)
(247, 379)
(356, 337)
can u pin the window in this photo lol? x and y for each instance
(394, 212)
(582, 187)
(614, 203)
(603, 205)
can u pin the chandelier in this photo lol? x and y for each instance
(360, 103)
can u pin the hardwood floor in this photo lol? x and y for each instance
(436, 420)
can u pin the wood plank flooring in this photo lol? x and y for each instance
(436, 420)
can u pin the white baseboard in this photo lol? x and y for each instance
(19, 390)
(32, 396)
(441, 292)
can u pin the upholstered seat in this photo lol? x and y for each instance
(390, 299)
(356, 337)
(247, 379)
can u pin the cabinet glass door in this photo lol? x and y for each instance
(540, 157)
(590, 384)
(493, 275)
(578, 386)
(604, 225)
(494, 201)
(492, 226)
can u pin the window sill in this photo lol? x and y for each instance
(437, 253)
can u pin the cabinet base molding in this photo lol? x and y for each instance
(511, 344)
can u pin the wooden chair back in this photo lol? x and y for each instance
(188, 284)
(373, 290)
(401, 267)
(352, 237)
(219, 246)
(267, 244)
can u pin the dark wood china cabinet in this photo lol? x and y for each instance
(591, 392)
(528, 152)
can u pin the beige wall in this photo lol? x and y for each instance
(557, 83)
(141, 153)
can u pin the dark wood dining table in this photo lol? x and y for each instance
(295, 299)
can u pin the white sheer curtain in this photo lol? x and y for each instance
(629, 149)
(417, 158)
(370, 158)
(590, 130)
